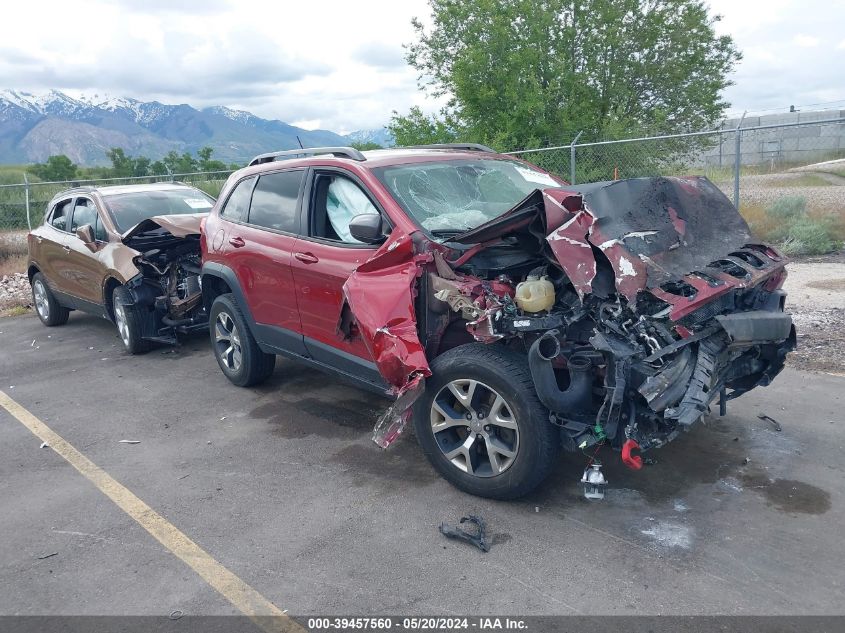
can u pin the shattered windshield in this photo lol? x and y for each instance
(458, 195)
(129, 209)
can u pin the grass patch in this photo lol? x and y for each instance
(836, 171)
(13, 254)
(787, 223)
(788, 208)
(14, 311)
(12, 264)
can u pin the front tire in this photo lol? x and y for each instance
(481, 424)
(238, 355)
(127, 318)
(47, 307)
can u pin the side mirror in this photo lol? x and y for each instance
(86, 234)
(366, 228)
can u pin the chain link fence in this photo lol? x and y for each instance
(23, 204)
(787, 179)
(762, 151)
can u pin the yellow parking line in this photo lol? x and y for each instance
(247, 600)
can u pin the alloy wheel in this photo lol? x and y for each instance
(227, 341)
(475, 428)
(42, 305)
(122, 323)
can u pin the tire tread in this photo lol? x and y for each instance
(514, 366)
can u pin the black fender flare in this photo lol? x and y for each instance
(220, 271)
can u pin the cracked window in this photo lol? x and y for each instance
(458, 195)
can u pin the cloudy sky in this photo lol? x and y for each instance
(339, 65)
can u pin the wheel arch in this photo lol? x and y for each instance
(31, 272)
(218, 279)
(109, 286)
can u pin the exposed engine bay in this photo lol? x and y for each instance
(639, 304)
(167, 288)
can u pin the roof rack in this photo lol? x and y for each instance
(343, 152)
(472, 147)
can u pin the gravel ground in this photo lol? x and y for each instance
(816, 288)
(764, 189)
(15, 291)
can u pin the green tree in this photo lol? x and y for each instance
(121, 163)
(522, 73)
(158, 168)
(205, 163)
(417, 128)
(141, 166)
(364, 147)
(179, 163)
(125, 166)
(57, 167)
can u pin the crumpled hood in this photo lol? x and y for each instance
(180, 225)
(652, 230)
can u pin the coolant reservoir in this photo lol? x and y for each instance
(535, 295)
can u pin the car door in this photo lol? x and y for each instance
(260, 222)
(82, 264)
(52, 243)
(323, 259)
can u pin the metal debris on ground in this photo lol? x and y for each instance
(129, 442)
(774, 422)
(44, 445)
(175, 615)
(479, 539)
(48, 555)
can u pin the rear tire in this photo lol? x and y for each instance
(47, 307)
(495, 439)
(238, 355)
(129, 321)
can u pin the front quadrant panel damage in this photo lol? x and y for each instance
(380, 295)
(661, 303)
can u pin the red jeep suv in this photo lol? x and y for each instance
(511, 314)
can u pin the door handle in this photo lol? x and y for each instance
(237, 242)
(306, 258)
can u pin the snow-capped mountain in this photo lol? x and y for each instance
(381, 136)
(84, 127)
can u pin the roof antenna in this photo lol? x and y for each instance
(300, 142)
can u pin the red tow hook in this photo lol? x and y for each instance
(634, 462)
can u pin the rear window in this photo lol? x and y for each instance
(237, 206)
(128, 209)
(274, 201)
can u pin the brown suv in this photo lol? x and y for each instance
(128, 253)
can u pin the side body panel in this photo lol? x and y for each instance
(260, 261)
(319, 272)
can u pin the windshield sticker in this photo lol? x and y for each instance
(198, 203)
(535, 176)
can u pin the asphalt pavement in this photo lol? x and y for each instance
(282, 485)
